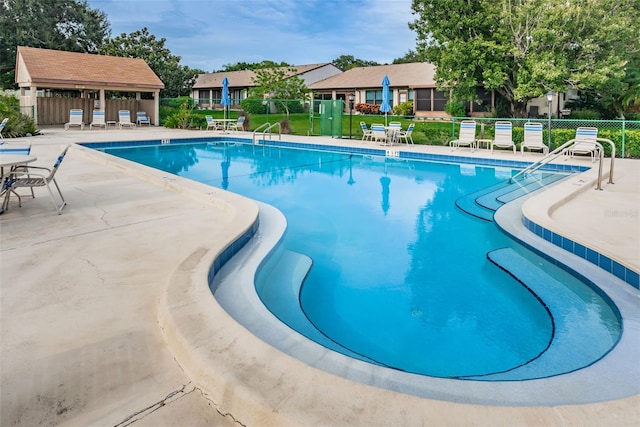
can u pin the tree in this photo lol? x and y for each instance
(409, 57)
(347, 62)
(524, 48)
(177, 79)
(241, 66)
(281, 84)
(68, 25)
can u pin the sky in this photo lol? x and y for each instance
(208, 34)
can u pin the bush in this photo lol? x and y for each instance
(18, 124)
(404, 109)
(585, 114)
(367, 108)
(184, 118)
(253, 105)
(455, 108)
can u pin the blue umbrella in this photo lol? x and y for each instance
(225, 101)
(386, 97)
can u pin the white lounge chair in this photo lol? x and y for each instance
(504, 136)
(29, 177)
(2, 125)
(142, 118)
(75, 119)
(238, 125)
(533, 139)
(379, 133)
(406, 134)
(98, 119)
(467, 135)
(366, 132)
(124, 119)
(586, 138)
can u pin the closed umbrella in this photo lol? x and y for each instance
(225, 101)
(386, 98)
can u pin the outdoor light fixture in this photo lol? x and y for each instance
(549, 101)
(351, 99)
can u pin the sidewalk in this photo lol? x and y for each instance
(81, 343)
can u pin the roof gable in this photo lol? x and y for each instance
(415, 74)
(39, 67)
(244, 78)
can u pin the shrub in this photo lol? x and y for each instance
(184, 118)
(455, 108)
(403, 109)
(367, 108)
(253, 105)
(585, 114)
(18, 124)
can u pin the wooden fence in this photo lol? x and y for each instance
(55, 111)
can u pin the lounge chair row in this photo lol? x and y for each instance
(533, 141)
(503, 137)
(98, 120)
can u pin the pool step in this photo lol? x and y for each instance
(581, 336)
(483, 203)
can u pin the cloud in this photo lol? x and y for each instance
(210, 34)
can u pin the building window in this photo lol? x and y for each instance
(423, 99)
(439, 100)
(374, 97)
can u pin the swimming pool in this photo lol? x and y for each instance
(385, 238)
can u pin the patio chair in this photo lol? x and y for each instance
(211, 124)
(124, 119)
(75, 119)
(142, 118)
(27, 176)
(406, 134)
(378, 133)
(467, 135)
(585, 143)
(533, 139)
(503, 137)
(2, 125)
(16, 148)
(366, 132)
(98, 119)
(238, 125)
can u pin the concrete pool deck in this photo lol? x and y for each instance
(83, 343)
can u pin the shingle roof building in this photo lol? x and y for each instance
(38, 69)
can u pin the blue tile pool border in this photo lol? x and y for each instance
(604, 262)
(394, 152)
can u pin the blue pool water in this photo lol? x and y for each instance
(400, 276)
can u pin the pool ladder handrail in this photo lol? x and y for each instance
(563, 149)
(267, 129)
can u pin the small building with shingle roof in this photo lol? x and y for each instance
(207, 89)
(52, 82)
(413, 82)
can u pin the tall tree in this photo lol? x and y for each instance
(241, 66)
(177, 79)
(524, 48)
(347, 62)
(409, 57)
(69, 25)
(281, 84)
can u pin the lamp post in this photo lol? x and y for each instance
(351, 98)
(549, 101)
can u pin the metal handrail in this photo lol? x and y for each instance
(563, 149)
(262, 126)
(264, 134)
